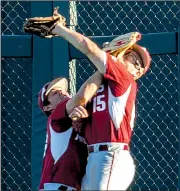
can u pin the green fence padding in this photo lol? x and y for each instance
(50, 61)
(16, 46)
(157, 43)
(42, 73)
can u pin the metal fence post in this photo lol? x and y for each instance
(60, 51)
(62, 66)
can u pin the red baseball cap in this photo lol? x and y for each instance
(121, 44)
(146, 58)
(58, 83)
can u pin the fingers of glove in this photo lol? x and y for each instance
(34, 28)
(29, 30)
(42, 19)
(53, 26)
(55, 12)
(63, 20)
(48, 36)
(38, 30)
(34, 31)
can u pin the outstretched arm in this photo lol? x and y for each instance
(84, 44)
(85, 93)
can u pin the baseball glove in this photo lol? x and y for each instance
(43, 26)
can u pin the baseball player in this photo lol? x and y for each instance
(108, 132)
(64, 156)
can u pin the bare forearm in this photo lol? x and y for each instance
(82, 43)
(89, 88)
(86, 92)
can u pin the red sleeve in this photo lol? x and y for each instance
(60, 111)
(59, 119)
(117, 74)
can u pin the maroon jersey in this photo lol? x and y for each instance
(113, 106)
(61, 162)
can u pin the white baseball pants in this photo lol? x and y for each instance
(55, 186)
(109, 170)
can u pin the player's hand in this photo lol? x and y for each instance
(79, 112)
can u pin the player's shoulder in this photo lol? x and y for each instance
(61, 106)
(111, 58)
(117, 66)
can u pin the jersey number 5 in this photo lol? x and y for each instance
(98, 103)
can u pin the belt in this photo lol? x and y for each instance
(63, 187)
(104, 147)
(57, 186)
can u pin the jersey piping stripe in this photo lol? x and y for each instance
(110, 172)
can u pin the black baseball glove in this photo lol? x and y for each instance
(43, 26)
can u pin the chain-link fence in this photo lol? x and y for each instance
(97, 18)
(16, 105)
(13, 15)
(155, 140)
(16, 123)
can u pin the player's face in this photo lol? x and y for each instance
(133, 63)
(54, 98)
